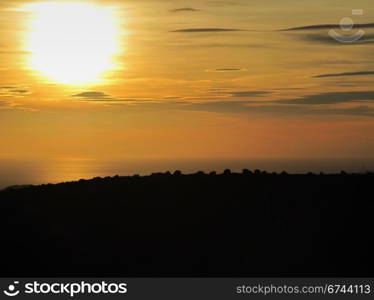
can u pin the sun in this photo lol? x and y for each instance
(73, 43)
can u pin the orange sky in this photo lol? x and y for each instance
(185, 80)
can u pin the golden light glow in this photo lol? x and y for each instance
(73, 43)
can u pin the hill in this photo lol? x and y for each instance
(248, 224)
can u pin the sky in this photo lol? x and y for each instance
(182, 80)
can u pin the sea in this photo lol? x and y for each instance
(33, 172)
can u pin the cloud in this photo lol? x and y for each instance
(326, 39)
(274, 109)
(20, 91)
(8, 98)
(228, 70)
(188, 9)
(315, 99)
(358, 110)
(361, 73)
(92, 95)
(219, 44)
(192, 30)
(6, 87)
(244, 94)
(6, 105)
(289, 89)
(317, 104)
(332, 98)
(99, 97)
(13, 91)
(240, 94)
(223, 70)
(326, 26)
(318, 33)
(248, 107)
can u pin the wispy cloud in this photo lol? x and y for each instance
(274, 109)
(92, 95)
(192, 30)
(224, 70)
(9, 96)
(95, 96)
(7, 87)
(332, 98)
(184, 9)
(318, 33)
(266, 108)
(327, 26)
(360, 73)
(320, 104)
(13, 91)
(315, 104)
(21, 92)
(324, 38)
(245, 94)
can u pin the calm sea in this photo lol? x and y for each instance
(20, 172)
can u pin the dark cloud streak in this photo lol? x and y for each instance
(326, 39)
(184, 9)
(197, 30)
(99, 97)
(228, 69)
(326, 26)
(331, 98)
(244, 94)
(361, 73)
(91, 95)
(223, 70)
(249, 107)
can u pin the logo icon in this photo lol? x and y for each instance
(347, 24)
(12, 291)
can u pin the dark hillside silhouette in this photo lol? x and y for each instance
(249, 224)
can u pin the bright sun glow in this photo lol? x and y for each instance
(73, 43)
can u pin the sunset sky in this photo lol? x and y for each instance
(160, 79)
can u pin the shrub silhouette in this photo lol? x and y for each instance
(227, 172)
(247, 172)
